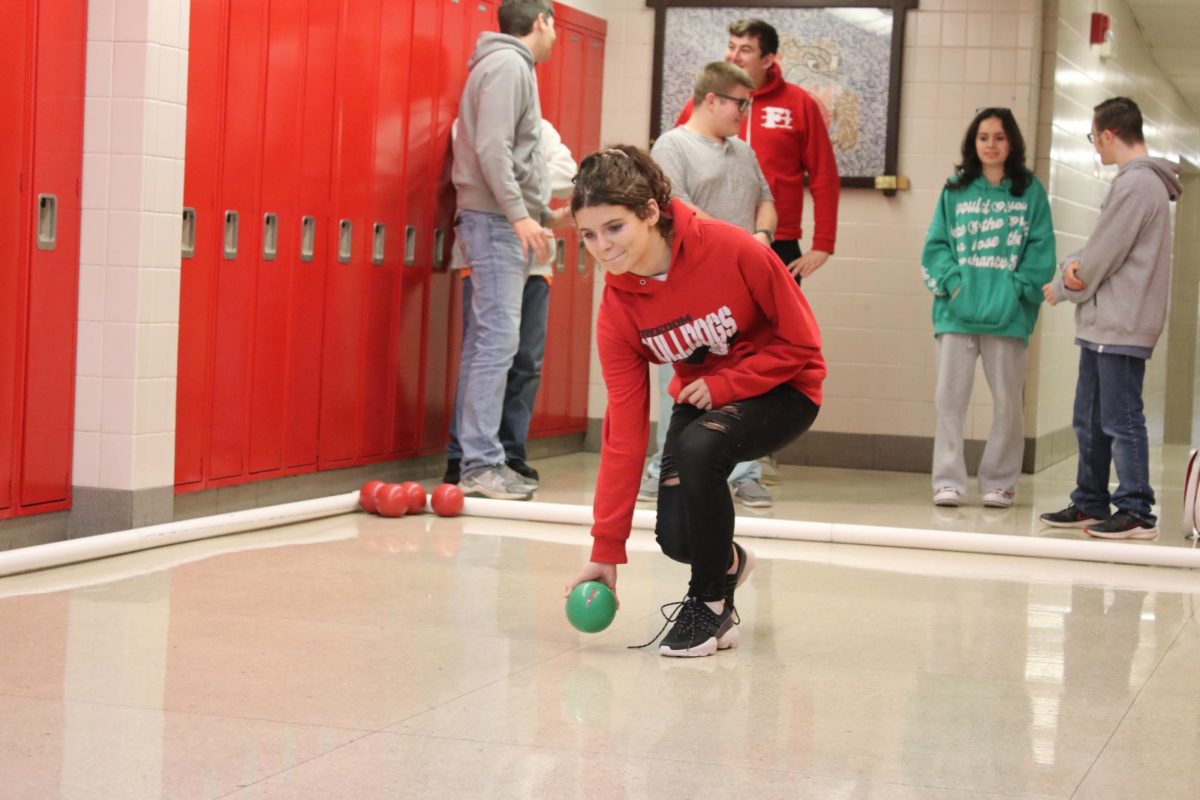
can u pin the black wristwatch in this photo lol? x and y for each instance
(770, 235)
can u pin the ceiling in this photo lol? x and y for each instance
(1172, 30)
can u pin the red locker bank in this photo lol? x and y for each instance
(42, 56)
(319, 324)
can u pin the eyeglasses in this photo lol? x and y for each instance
(742, 102)
(1092, 137)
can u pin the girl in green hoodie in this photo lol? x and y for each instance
(989, 250)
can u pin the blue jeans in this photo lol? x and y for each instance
(524, 376)
(1111, 427)
(498, 269)
(743, 470)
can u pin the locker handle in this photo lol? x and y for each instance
(187, 245)
(47, 221)
(410, 245)
(378, 237)
(581, 262)
(345, 241)
(439, 246)
(231, 235)
(308, 237)
(270, 236)
(560, 254)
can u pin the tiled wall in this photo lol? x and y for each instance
(129, 264)
(873, 309)
(1075, 79)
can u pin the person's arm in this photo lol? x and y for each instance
(939, 262)
(796, 340)
(765, 220)
(824, 185)
(766, 216)
(1035, 267)
(1116, 232)
(559, 162)
(624, 435)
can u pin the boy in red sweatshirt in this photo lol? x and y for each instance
(788, 133)
(709, 299)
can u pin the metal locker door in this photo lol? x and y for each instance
(238, 206)
(198, 267)
(54, 259)
(15, 204)
(309, 231)
(274, 260)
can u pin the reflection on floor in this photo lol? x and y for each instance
(359, 657)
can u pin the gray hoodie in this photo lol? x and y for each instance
(1126, 264)
(498, 163)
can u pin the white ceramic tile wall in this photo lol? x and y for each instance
(873, 309)
(1076, 80)
(129, 251)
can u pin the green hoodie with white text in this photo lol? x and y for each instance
(986, 257)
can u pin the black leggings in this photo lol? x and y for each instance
(695, 516)
(788, 251)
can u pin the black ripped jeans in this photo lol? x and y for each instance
(695, 516)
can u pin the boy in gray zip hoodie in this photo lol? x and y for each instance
(499, 174)
(1120, 284)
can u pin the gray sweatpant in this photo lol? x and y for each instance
(1004, 363)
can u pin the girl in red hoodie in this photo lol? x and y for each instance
(708, 298)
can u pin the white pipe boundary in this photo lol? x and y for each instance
(1138, 554)
(88, 548)
(39, 557)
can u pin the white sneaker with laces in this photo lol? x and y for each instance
(648, 491)
(947, 497)
(497, 482)
(998, 498)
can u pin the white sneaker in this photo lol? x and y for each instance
(998, 498)
(947, 497)
(497, 482)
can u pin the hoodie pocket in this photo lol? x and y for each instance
(987, 298)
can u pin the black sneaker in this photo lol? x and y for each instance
(746, 562)
(453, 472)
(527, 472)
(1122, 525)
(698, 631)
(1069, 517)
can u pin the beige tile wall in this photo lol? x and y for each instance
(874, 311)
(1075, 79)
(134, 112)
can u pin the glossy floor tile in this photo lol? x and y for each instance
(359, 657)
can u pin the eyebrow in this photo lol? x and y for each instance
(605, 223)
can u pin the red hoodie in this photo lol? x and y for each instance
(788, 134)
(728, 312)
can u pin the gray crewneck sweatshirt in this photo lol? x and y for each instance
(498, 163)
(1126, 264)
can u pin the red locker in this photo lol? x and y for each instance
(585, 269)
(42, 64)
(342, 363)
(241, 168)
(402, 370)
(310, 243)
(15, 38)
(275, 258)
(197, 281)
(54, 272)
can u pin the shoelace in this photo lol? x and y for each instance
(688, 612)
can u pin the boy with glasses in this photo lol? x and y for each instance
(1119, 283)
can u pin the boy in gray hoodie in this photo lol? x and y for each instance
(1120, 284)
(499, 174)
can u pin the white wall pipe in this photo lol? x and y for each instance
(43, 556)
(877, 535)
